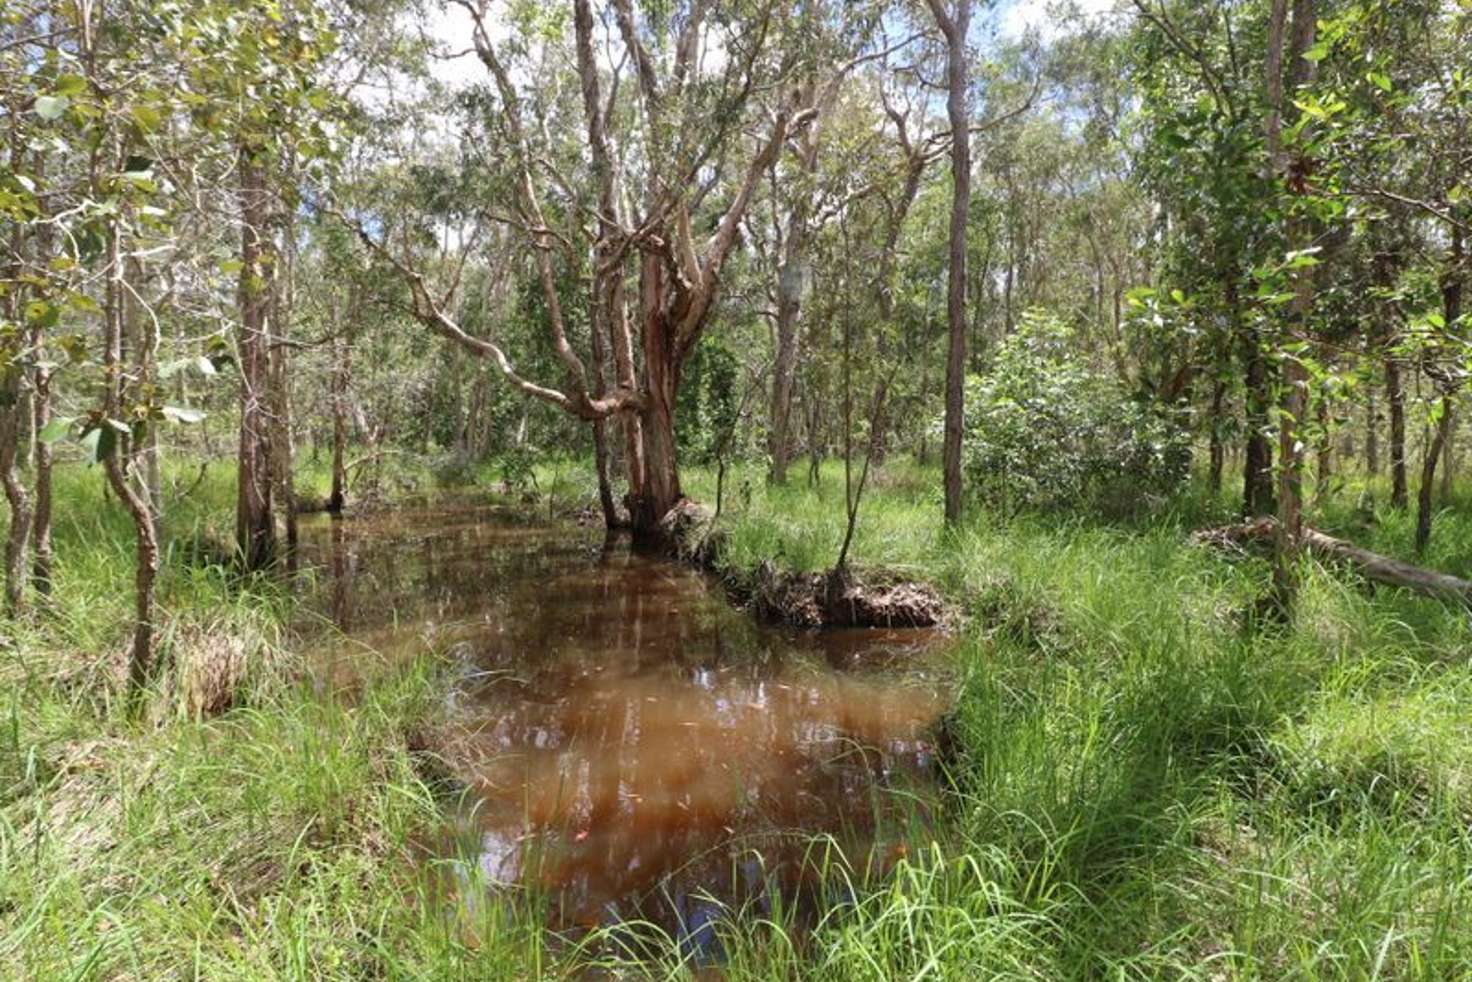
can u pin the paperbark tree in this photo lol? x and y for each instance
(678, 271)
(255, 523)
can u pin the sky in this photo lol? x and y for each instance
(1013, 18)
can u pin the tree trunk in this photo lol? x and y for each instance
(1372, 437)
(815, 441)
(1324, 472)
(283, 437)
(1426, 492)
(608, 268)
(341, 369)
(956, 26)
(1396, 396)
(658, 487)
(42, 552)
(1451, 302)
(1294, 405)
(1372, 566)
(43, 556)
(255, 531)
(11, 407)
(784, 370)
(283, 444)
(141, 657)
(1448, 456)
(596, 330)
(1218, 448)
(1257, 468)
(142, 333)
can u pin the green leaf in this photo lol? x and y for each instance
(55, 430)
(182, 414)
(50, 107)
(70, 85)
(91, 441)
(1381, 81)
(147, 118)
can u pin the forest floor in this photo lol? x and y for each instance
(1148, 783)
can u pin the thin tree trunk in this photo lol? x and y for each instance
(283, 437)
(956, 27)
(141, 657)
(1396, 396)
(142, 331)
(12, 405)
(43, 557)
(1426, 492)
(1218, 451)
(815, 442)
(1294, 405)
(338, 496)
(1324, 472)
(1451, 300)
(1257, 467)
(608, 267)
(1372, 437)
(1448, 455)
(784, 370)
(255, 531)
(600, 426)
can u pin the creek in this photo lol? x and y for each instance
(629, 745)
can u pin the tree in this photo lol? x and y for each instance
(955, 24)
(678, 271)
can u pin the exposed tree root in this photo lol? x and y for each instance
(836, 598)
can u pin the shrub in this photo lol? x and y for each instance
(1045, 430)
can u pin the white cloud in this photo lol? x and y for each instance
(1048, 18)
(450, 28)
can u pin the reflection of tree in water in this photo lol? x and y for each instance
(633, 740)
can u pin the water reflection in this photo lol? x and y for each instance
(630, 742)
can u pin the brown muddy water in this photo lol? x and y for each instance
(631, 746)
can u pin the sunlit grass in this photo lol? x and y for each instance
(1146, 780)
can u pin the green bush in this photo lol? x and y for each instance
(1045, 430)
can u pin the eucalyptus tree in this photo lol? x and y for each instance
(954, 21)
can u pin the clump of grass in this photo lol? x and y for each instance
(1402, 746)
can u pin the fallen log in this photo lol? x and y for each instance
(1371, 565)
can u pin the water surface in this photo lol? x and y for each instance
(631, 744)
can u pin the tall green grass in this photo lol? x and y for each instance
(1145, 780)
(1155, 783)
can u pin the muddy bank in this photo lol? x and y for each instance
(838, 598)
